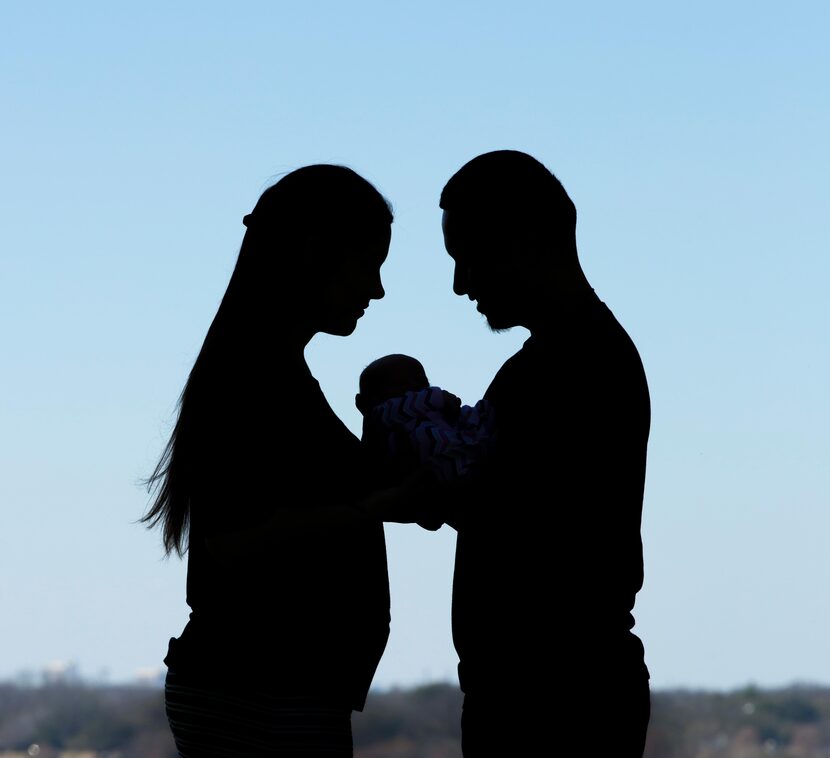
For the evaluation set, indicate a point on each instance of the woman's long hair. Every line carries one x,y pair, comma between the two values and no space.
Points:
332,201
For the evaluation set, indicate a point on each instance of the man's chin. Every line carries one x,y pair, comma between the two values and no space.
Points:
498,325
498,322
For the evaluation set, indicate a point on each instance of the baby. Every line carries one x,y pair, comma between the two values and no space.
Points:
409,423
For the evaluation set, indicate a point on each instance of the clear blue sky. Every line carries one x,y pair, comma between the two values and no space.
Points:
693,139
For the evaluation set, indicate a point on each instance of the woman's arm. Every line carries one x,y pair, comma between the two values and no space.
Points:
421,499
283,525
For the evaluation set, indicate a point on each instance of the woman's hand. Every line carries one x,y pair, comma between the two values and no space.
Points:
414,501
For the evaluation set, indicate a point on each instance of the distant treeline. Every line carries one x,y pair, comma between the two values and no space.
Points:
129,722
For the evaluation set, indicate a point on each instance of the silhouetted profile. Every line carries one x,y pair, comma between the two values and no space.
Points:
261,484
549,555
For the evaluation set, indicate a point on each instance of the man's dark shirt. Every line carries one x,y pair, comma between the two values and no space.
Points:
549,555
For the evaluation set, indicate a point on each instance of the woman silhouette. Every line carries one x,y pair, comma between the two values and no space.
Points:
261,484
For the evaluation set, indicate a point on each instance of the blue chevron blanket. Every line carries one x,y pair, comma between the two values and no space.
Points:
443,434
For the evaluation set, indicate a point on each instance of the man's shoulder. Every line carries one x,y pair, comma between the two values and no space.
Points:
620,347
574,357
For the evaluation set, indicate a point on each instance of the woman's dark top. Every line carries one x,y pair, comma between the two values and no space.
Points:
310,614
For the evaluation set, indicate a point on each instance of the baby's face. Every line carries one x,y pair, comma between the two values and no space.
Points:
399,380
402,382
388,377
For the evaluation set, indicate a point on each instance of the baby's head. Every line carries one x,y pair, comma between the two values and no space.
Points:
389,376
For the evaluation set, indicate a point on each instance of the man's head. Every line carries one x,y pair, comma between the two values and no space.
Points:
510,227
387,377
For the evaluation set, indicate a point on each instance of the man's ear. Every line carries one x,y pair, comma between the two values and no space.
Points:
360,403
529,253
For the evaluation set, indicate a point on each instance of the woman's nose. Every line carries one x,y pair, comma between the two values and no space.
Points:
376,291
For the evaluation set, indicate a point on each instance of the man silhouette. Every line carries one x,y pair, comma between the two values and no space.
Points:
549,555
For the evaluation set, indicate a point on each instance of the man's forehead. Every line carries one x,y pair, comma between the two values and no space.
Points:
460,225
450,221
474,228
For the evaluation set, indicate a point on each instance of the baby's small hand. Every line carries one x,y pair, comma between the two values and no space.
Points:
452,405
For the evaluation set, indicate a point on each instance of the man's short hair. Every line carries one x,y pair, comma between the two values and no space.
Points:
512,184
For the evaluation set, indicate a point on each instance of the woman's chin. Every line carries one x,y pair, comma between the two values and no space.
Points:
342,329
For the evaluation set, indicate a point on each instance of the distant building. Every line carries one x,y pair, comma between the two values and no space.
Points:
60,672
